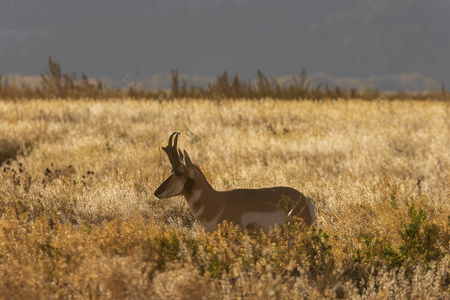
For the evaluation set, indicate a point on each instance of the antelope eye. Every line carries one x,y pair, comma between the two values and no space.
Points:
178,173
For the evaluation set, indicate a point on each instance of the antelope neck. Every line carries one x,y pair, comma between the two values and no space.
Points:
203,200
199,188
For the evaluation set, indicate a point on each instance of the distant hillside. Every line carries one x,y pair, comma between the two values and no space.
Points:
372,41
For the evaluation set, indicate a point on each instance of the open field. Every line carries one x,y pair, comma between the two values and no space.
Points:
79,219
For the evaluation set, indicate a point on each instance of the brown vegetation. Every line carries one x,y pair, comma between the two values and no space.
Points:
55,84
78,218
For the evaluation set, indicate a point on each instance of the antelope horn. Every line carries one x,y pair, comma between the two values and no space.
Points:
172,151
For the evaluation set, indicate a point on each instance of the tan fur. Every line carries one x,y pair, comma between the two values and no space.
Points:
235,204
248,208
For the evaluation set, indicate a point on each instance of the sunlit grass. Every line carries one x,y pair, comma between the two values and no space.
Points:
79,218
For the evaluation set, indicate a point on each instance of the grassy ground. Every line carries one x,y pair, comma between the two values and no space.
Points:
79,219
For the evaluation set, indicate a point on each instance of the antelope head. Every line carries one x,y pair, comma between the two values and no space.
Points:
181,177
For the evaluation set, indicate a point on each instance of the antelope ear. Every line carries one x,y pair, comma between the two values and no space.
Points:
180,154
187,160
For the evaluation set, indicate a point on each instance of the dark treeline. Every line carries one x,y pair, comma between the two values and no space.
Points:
55,84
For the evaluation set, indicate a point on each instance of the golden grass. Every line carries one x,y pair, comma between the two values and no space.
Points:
79,219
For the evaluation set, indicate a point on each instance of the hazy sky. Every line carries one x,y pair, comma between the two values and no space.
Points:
139,39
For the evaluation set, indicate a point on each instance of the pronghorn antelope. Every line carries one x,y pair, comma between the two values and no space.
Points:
249,208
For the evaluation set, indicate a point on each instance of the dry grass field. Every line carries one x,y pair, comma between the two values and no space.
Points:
78,218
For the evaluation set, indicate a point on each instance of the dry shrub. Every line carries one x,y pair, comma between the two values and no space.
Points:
183,284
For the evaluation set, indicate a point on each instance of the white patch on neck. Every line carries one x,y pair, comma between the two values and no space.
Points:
212,225
199,212
194,197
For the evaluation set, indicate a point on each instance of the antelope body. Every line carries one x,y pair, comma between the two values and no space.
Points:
250,208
